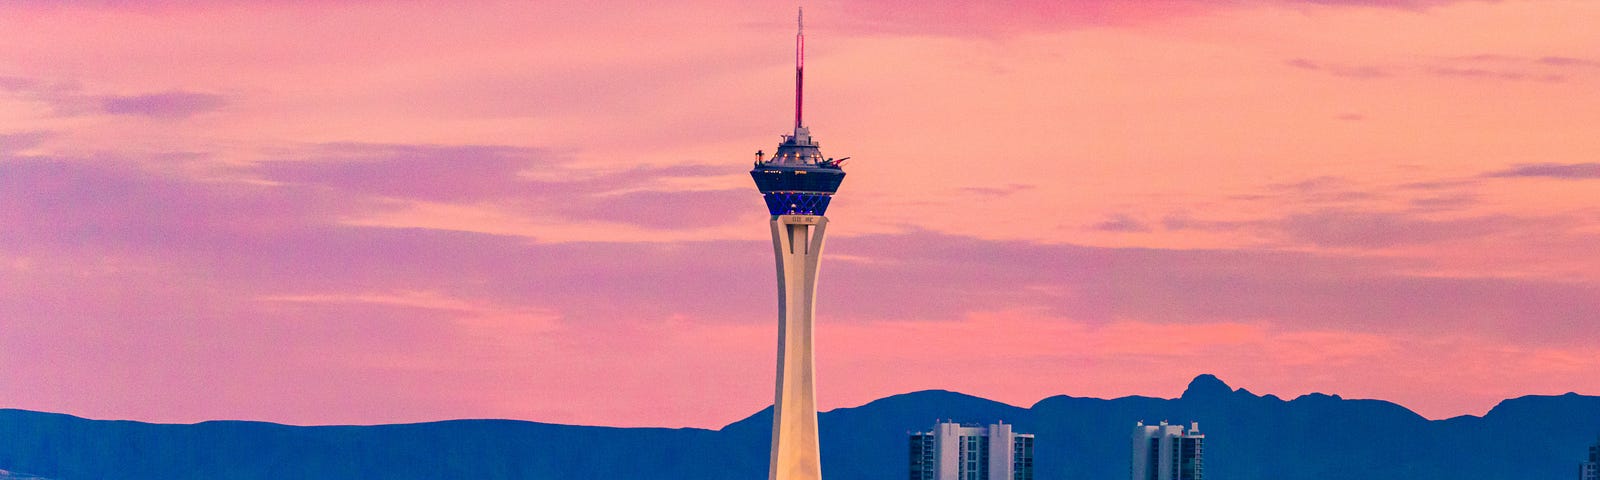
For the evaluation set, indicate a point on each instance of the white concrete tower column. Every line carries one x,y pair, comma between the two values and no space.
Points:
797,245
1001,463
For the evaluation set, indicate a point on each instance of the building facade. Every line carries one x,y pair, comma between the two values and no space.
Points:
1167,452
1590,470
952,451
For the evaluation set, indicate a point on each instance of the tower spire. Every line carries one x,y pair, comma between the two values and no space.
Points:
799,64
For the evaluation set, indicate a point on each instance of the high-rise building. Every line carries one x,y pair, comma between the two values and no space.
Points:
952,451
797,183
1590,470
1167,452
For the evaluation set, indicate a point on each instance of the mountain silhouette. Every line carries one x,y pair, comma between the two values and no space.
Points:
1248,437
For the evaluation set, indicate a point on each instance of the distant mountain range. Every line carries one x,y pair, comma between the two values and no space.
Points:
1248,437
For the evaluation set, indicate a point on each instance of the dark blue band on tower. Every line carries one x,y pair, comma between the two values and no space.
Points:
797,203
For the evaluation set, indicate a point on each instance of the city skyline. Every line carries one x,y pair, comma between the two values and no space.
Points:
371,213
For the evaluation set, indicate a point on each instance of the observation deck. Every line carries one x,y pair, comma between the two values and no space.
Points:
797,179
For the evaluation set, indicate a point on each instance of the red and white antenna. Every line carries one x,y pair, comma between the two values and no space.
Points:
799,63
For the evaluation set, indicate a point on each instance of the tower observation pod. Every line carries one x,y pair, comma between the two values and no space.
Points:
797,183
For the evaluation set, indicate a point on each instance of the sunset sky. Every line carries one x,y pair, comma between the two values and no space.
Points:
318,212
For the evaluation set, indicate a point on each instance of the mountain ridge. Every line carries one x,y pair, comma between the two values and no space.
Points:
1249,437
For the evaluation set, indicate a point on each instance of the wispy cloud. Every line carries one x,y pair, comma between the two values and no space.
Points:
946,17
14,142
1121,223
70,99
1468,67
1485,73
1490,66
1339,70
526,179
1185,221
1566,171
1447,202
162,105
1521,60
446,173
999,191
1345,228
1569,62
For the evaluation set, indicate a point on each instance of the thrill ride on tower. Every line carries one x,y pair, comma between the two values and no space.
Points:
797,182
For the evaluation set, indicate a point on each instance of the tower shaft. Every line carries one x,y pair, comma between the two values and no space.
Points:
797,183
797,246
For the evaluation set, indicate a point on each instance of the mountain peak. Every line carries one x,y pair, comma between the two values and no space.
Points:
1206,385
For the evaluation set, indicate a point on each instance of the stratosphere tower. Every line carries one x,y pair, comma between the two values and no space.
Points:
797,183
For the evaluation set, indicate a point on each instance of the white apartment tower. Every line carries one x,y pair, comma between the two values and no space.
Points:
953,451
1167,452
1590,470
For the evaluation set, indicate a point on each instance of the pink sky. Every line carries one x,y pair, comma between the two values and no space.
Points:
369,212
